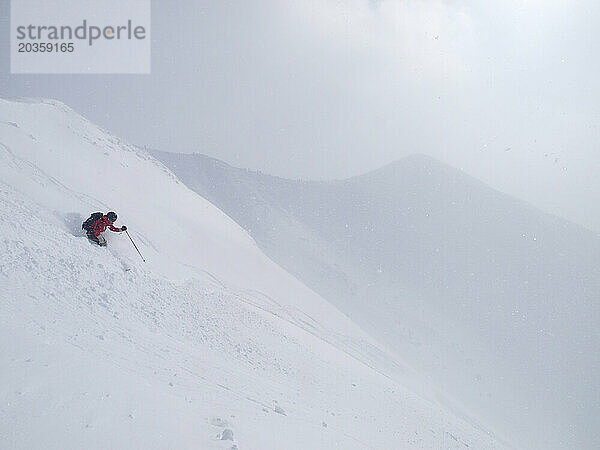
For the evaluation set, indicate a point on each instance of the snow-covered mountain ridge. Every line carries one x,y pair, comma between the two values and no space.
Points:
207,345
494,299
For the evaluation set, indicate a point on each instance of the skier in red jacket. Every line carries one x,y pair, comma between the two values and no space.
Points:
97,224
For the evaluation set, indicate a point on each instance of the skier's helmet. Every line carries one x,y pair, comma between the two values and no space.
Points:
111,216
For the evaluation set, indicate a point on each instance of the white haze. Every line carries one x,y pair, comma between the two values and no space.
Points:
506,90
491,298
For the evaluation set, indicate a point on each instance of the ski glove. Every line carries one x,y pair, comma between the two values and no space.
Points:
123,228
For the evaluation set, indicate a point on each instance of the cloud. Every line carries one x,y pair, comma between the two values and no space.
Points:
326,89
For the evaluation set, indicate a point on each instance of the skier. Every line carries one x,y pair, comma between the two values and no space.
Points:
97,223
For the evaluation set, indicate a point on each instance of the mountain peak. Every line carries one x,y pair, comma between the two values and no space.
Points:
415,165
421,161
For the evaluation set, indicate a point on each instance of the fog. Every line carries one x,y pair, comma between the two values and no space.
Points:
466,276
493,300
506,91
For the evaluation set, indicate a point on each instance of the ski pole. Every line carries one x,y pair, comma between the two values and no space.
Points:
135,246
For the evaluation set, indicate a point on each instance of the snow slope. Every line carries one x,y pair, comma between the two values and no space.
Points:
495,300
207,345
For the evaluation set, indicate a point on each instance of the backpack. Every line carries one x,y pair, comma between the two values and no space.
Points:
90,220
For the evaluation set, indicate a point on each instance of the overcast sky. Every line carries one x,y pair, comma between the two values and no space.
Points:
506,90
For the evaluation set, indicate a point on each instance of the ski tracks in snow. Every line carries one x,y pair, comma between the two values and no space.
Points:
94,344
198,341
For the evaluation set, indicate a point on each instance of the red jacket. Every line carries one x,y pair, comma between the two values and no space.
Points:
101,224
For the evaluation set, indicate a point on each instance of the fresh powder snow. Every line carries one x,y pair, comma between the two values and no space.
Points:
493,299
209,344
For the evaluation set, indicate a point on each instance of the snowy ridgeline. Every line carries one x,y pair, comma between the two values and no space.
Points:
208,345
494,300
